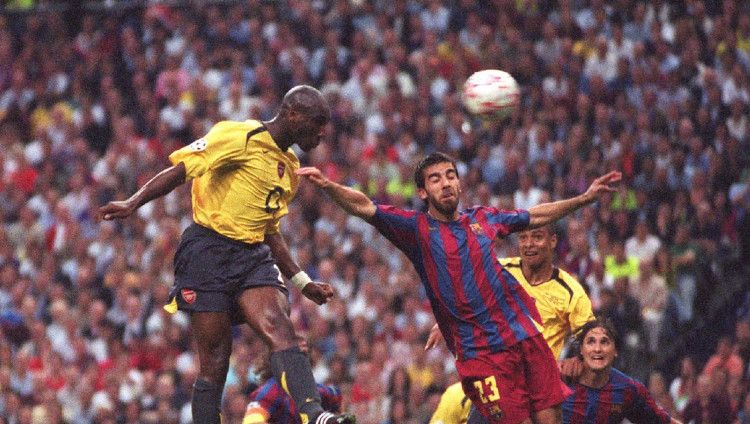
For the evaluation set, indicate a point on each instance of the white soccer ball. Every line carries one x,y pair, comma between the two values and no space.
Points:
490,94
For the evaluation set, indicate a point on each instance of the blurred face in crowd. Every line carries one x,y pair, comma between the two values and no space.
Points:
536,246
441,187
598,350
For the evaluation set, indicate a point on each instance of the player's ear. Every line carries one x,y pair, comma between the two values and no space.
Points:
422,193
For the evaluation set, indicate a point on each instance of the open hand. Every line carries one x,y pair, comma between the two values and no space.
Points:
603,184
116,210
434,338
571,367
319,293
314,175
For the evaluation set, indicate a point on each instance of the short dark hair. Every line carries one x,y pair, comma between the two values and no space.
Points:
600,322
551,229
431,159
309,102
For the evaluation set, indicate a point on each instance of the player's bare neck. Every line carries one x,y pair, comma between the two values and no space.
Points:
278,134
536,275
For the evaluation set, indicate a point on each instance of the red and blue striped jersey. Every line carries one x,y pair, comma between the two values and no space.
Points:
270,403
622,397
478,305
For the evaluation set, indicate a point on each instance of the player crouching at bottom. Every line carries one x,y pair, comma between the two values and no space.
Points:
270,402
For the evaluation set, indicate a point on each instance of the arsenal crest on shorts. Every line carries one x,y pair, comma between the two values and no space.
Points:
280,169
188,295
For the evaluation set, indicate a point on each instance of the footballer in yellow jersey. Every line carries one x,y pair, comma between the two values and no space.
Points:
229,262
560,299
242,181
453,408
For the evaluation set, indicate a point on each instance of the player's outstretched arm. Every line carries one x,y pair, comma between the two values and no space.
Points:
319,293
546,213
161,184
352,201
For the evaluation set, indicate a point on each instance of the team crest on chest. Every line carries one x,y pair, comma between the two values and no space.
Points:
476,228
280,168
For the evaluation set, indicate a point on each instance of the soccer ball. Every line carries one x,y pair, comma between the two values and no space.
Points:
490,94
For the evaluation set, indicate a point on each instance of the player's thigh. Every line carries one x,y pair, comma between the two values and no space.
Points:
543,380
551,415
266,310
496,386
202,265
213,340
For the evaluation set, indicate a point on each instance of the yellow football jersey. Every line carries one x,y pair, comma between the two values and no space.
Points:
242,181
453,408
561,301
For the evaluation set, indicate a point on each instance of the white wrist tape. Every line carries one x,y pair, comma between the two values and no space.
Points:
300,280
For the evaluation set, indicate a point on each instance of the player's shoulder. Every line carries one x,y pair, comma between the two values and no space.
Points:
619,378
511,262
244,126
565,277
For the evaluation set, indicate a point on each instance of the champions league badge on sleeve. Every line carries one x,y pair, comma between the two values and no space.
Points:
198,145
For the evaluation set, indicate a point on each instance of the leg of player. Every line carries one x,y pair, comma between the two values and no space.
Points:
213,338
548,416
265,309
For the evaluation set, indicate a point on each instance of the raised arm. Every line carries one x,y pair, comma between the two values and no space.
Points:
352,201
546,213
161,184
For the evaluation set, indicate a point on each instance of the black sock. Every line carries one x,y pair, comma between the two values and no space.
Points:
206,402
292,369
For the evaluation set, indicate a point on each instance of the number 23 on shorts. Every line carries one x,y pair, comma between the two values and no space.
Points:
487,389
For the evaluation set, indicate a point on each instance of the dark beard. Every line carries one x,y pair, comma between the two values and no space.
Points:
447,210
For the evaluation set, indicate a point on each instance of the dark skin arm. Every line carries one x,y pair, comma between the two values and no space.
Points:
319,293
161,184
173,177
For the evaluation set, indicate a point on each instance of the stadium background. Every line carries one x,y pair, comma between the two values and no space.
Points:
94,95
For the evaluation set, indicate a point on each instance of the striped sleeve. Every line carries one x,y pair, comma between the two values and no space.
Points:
643,408
506,222
399,226
330,398
261,402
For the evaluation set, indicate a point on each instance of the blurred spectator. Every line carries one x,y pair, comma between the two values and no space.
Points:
642,245
650,290
658,388
726,359
685,257
93,100
619,264
707,406
682,388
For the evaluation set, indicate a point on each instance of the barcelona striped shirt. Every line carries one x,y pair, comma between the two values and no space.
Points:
270,403
478,305
622,397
